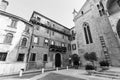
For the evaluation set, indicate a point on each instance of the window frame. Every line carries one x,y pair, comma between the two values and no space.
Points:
118,2
3,56
53,33
73,46
69,47
19,59
27,29
53,42
62,44
25,43
45,58
13,23
8,38
36,38
87,33
32,58
46,43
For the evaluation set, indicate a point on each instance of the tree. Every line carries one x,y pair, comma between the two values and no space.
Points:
91,57
87,57
75,59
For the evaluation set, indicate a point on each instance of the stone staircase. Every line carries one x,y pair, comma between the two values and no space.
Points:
107,74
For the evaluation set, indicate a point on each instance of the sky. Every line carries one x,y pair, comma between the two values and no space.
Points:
57,10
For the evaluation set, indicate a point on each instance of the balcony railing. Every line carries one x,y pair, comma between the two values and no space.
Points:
54,48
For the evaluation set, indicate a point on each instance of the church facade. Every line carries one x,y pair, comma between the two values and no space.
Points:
95,32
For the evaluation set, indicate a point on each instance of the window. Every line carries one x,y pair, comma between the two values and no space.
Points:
3,56
101,9
13,23
52,42
36,40
118,2
45,57
98,6
74,46
100,12
32,57
38,19
72,32
27,29
86,37
52,32
46,42
24,41
37,27
47,31
82,12
48,23
73,37
69,46
8,38
87,32
63,44
20,57
53,25
70,38
63,36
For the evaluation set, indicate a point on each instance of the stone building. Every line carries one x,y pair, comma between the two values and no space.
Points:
15,37
39,43
94,31
113,8
50,44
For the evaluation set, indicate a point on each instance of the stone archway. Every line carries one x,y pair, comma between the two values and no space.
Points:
58,60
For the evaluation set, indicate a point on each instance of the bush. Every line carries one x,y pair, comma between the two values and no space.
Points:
104,63
91,56
89,67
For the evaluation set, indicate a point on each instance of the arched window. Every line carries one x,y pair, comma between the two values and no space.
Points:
24,41
87,32
8,38
118,28
45,57
101,9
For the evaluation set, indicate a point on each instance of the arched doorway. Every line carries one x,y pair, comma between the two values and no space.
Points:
118,28
57,60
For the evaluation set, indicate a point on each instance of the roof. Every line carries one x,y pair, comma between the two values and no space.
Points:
14,16
72,28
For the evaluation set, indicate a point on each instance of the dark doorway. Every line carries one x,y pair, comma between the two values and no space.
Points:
57,60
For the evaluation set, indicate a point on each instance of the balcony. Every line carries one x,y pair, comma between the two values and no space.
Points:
54,48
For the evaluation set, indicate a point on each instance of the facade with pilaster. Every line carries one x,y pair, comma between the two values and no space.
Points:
15,37
50,45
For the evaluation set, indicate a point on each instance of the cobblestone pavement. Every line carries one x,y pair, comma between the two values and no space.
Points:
70,74
55,76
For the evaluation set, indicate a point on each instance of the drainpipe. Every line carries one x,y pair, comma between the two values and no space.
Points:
29,49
